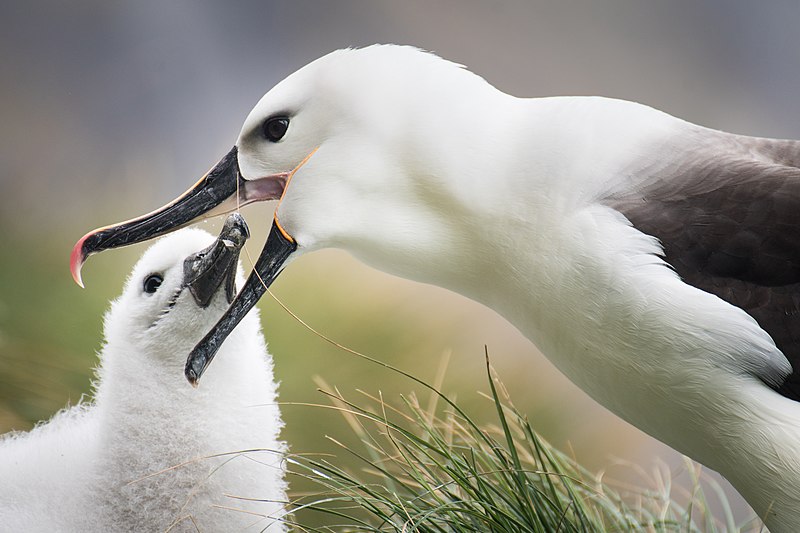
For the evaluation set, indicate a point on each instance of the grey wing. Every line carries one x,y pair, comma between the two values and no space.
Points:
728,218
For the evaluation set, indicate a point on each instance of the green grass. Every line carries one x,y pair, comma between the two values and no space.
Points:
432,468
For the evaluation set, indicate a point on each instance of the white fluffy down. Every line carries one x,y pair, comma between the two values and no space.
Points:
150,453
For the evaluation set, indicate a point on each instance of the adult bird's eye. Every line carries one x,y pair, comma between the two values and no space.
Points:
275,128
152,283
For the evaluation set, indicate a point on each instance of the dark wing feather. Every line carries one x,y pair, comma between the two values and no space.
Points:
729,221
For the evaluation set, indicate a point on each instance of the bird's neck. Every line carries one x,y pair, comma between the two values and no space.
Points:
167,451
152,412
499,184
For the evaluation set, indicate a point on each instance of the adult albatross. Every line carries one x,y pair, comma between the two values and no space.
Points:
655,262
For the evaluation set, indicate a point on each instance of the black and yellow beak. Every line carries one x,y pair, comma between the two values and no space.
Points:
214,194
221,190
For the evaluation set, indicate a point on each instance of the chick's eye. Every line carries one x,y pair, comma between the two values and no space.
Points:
152,283
275,128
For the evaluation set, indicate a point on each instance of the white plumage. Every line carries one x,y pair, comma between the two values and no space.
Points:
550,211
655,262
140,456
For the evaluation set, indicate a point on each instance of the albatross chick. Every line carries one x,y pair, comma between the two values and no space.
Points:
151,453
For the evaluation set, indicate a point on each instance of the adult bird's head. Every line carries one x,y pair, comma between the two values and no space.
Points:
355,147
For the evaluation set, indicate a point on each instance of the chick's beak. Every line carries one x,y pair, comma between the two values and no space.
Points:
205,272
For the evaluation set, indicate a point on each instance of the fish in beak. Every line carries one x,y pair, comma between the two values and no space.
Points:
221,190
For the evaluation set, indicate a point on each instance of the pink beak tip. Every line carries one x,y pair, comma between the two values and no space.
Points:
77,259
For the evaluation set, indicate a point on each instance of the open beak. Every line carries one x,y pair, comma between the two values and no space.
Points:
220,191
207,270
278,248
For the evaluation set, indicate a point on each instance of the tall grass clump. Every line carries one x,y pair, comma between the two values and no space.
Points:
432,468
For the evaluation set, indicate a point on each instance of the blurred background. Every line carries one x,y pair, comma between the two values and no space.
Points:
111,109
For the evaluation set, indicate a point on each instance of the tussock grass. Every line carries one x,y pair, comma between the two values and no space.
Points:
432,468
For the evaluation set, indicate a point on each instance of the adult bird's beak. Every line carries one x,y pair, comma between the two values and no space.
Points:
278,248
207,270
220,191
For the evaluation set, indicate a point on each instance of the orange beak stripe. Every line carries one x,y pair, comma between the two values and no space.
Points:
288,180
